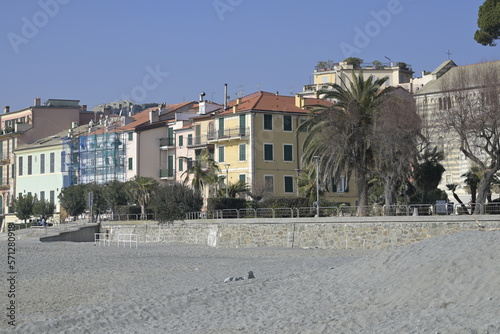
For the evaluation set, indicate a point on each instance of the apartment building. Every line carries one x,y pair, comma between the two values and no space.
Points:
398,74
25,126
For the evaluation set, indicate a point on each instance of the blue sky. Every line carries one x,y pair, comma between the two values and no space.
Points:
98,51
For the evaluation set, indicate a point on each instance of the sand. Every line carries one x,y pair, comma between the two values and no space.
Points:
448,284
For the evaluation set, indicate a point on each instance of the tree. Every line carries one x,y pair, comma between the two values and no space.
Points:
354,61
139,190
115,194
398,128
307,184
74,199
428,172
172,201
99,203
341,134
203,172
488,22
234,189
472,114
43,208
23,206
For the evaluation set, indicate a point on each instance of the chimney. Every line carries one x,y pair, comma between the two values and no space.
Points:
153,116
235,108
6,109
299,101
238,100
38,102
83,107
74,125
225,96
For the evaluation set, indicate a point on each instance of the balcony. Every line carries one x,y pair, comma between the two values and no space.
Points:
229,134
167,142
168,173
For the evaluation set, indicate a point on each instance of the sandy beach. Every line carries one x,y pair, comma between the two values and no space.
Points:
448,284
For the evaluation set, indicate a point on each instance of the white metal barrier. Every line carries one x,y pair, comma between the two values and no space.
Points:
127,238
102,238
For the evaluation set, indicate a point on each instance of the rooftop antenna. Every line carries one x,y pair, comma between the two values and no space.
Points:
291,90
225,96
259,86
449,54
389,59
240,91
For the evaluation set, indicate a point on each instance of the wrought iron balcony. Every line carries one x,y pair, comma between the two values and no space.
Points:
168,173
229,134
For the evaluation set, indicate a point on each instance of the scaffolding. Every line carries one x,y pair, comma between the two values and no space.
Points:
97,158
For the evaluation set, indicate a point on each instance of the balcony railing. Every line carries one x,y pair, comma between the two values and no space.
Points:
167,173
228,134
167,142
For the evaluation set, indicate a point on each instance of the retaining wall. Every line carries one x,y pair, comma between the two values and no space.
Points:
327,232
81,234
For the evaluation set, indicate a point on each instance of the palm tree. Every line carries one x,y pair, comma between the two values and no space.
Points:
472,178
340,134
140,189
203,172
428,173
233,189
307,184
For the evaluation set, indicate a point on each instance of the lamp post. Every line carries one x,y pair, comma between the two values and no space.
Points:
317,158
227,178
298,172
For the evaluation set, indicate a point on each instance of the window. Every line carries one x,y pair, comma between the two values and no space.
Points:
42,196
221,127
242,125
268,152
339,186
52,196
1,174
63,161
181,141
181,165
287,152
288,180
190,139
221,153
130,164
243,178
269,183
30,164
20,164
197,137
243,152
287,123
130,136
52,162
268,122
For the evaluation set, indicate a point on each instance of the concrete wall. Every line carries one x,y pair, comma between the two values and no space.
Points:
328,232
82,234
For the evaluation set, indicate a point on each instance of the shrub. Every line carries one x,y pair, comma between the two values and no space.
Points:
172,201
285,202
220,203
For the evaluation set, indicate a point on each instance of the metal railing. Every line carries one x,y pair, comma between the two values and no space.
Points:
348,211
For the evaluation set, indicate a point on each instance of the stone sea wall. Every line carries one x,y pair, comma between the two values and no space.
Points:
328,232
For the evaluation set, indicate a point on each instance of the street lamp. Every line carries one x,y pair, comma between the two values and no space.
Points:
298,172
317,158
227,178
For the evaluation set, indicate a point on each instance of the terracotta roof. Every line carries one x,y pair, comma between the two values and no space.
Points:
265,101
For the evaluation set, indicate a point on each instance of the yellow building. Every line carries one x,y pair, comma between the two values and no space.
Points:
398,74
255,140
